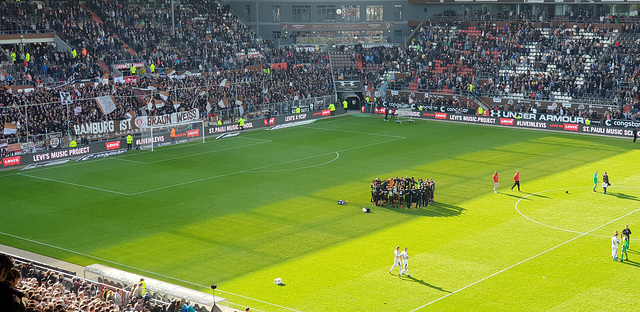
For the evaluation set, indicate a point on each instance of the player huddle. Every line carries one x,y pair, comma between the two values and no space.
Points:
402,192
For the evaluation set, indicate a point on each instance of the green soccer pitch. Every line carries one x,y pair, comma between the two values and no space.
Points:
242,211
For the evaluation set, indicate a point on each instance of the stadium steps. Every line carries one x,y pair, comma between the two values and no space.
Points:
340,60
93,15
104,67
414,87
3,72
98,20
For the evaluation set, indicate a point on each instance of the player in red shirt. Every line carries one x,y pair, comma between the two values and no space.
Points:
516,180
495,182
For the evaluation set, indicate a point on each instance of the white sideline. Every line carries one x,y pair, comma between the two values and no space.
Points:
523,261
138,269
257,169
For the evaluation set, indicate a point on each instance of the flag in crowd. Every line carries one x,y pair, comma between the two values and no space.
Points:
10,128
65,98
107,104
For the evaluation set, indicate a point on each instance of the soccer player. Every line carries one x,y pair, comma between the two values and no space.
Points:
374,185
625,246
407,196
614,247
396,259
605,182
433,191
405,262
595,180
516,180
627,232
495,182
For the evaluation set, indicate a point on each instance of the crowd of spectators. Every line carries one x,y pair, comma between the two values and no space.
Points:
209,39
519,59
43,62
28,288
592,63
39,111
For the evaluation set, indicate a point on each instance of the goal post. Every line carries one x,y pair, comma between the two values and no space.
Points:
152,137
404,114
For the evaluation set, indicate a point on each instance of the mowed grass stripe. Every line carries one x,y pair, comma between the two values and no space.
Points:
516,234
305,238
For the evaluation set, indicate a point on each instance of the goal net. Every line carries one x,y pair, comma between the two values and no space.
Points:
404,114
156,136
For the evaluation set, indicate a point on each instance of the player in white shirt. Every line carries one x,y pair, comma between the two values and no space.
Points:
614,246
396,260
405,262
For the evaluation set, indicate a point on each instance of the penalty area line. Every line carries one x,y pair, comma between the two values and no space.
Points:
525,260
74,184
138,269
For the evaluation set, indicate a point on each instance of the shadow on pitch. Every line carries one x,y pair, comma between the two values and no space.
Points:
633,263
422,282
624,196
537,195
515,196
434,210
522,194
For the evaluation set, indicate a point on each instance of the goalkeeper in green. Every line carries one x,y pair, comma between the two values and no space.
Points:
625,247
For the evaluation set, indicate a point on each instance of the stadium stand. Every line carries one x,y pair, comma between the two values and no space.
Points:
48,288
216,63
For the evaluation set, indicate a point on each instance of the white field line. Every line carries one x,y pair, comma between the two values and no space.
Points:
354,132
203,153
557,228
129,160
299,168
228,174
137,269
396,138
122,157
262,167
194,143
74,184
523,261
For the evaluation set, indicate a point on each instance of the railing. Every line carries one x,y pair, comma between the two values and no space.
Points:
342,40
274,109
98,287
26,31
518,17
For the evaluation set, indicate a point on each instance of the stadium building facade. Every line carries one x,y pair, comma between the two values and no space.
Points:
309,22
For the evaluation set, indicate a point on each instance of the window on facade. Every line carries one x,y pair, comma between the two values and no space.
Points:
247,10
326,13
350,13
397,12
275,13
374,13
301,13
